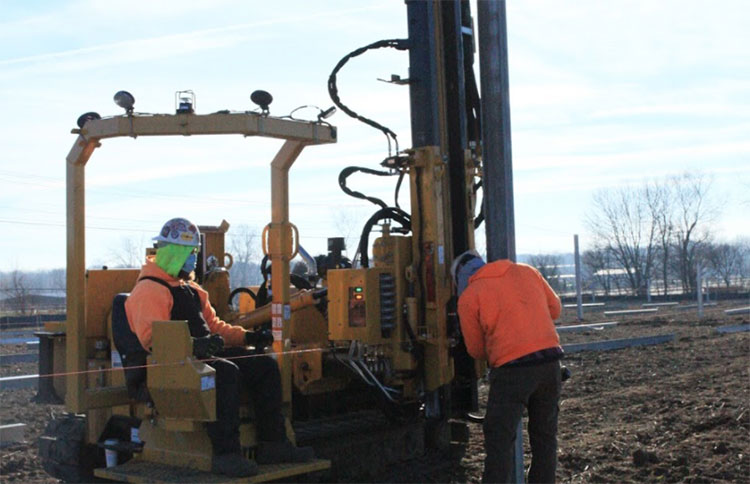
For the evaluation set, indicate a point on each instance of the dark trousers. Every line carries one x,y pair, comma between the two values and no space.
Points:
511,389
261,377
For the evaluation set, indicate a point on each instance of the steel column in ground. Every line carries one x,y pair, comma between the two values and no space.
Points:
496,142
699,288
579,298
496,150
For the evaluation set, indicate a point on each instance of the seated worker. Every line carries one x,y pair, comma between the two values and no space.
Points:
166,291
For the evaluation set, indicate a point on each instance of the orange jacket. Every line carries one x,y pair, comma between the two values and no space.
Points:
507,312
150,301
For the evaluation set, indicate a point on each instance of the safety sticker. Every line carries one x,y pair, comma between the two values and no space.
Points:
116,360
441,254
276,334
287,312
208,382
276,309
276,322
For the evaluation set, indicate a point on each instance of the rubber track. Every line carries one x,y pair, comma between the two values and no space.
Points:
366,447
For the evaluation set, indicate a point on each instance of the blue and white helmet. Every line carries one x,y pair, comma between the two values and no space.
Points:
464,266
180,231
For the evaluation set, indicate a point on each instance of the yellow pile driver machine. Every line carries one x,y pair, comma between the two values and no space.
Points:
374,370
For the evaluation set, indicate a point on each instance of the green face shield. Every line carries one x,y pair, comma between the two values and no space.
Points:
172,257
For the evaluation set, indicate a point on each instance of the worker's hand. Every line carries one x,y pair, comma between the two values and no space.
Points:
207,346
259,339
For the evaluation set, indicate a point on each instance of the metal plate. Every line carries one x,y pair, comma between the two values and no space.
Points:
142,471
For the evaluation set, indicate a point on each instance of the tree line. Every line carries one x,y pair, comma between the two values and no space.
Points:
20,291
658,235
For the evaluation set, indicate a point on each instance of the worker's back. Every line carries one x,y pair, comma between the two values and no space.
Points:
515,310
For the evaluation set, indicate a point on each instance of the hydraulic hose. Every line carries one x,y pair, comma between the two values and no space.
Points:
346,172
399,44
384,213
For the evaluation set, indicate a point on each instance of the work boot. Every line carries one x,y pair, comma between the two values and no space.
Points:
233,465
282,452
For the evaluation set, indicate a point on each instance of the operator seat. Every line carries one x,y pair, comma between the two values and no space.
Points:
132,354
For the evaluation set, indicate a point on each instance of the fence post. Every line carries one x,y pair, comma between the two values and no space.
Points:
648,289
579,297
699,288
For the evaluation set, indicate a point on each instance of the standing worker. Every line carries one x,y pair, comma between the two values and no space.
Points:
166,291
507,312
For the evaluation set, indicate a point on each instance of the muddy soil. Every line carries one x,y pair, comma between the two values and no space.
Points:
674,412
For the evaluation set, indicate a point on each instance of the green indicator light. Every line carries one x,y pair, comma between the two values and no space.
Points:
357,289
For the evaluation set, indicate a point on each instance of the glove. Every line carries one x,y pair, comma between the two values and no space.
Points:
207,346
259,339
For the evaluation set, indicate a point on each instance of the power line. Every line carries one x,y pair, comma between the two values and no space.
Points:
547,229
156,195
117,229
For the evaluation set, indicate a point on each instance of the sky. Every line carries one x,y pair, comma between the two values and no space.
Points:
602,94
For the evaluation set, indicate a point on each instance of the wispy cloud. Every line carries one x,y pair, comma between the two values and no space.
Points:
134,50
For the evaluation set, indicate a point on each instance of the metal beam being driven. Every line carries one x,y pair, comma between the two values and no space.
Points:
496,145
497,163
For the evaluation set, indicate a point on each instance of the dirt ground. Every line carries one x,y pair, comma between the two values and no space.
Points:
674,412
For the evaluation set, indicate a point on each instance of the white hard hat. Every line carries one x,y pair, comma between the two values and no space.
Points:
462,259
180,231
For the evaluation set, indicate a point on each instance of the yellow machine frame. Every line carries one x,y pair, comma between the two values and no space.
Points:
88,304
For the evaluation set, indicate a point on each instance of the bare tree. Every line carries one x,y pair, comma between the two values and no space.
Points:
243,245
727,260
57,280
620,222
349,223
694,211
131,253
597,264
14,286
548,266
659,200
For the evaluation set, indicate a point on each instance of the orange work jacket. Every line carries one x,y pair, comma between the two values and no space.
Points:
507,311
150,301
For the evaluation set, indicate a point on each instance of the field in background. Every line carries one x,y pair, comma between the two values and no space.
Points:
674,412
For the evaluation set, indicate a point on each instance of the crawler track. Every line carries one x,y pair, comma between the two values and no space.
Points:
366,447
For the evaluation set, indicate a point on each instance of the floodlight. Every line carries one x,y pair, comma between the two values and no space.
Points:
327,113
125,100
262,99
86,117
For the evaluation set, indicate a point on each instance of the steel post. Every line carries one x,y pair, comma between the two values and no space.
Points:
496,150
579,297
699,288
496,141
